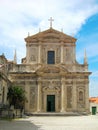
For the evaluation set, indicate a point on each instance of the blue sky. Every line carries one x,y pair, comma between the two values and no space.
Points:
88,39
78,18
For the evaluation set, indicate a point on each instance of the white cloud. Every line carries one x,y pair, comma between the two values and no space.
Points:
95,74
68,14
17,18
91,50
93,87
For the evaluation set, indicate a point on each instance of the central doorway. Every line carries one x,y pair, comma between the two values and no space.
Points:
50,103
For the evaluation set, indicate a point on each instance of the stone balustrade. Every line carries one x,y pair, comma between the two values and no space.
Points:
34,67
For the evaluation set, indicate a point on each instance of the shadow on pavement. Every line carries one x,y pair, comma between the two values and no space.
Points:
18,125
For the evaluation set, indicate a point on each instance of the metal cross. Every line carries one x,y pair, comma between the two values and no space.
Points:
51,20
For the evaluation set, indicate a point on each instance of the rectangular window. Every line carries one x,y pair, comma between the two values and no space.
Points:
51,57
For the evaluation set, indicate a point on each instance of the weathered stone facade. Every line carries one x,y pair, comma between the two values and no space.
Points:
52,78
4,81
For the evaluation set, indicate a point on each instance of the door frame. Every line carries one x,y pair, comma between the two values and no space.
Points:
51,96
56,93
94,110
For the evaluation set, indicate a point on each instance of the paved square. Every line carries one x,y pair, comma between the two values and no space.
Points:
52,123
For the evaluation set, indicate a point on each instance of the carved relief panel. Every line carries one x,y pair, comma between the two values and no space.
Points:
51,88
33,54
81,96
68,54
58,55
69,96
33,98
44,58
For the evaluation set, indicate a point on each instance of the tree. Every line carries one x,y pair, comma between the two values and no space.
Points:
16,97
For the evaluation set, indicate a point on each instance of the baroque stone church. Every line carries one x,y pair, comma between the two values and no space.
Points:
52,78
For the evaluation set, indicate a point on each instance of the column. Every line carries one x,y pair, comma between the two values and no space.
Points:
39,97
63,95
62,54
87,106
39,54
74,96
27,90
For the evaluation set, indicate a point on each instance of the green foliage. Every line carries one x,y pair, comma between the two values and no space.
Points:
16,96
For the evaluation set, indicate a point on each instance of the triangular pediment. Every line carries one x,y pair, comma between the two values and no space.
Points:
50,35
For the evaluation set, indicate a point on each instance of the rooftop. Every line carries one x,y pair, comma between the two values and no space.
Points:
93,99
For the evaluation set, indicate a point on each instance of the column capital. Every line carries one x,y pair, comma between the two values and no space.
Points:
39,81
62,43
63,79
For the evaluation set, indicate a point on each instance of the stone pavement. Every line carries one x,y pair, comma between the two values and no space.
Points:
52,123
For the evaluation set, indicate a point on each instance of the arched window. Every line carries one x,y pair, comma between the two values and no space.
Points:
80,96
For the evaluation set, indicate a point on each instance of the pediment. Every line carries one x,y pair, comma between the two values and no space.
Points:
50,35
51,69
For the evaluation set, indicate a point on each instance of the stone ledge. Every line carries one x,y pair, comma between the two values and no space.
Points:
55,114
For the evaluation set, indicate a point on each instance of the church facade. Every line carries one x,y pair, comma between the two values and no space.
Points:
52,78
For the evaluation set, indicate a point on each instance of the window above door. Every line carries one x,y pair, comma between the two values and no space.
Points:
51,57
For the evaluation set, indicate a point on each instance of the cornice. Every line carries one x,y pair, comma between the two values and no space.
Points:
50,35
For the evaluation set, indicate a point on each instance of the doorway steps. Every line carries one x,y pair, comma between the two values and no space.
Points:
56,114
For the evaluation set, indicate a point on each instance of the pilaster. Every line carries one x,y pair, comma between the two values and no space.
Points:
74,96
62,54
63,94
27,90
39,96
87,97
27,53
39,54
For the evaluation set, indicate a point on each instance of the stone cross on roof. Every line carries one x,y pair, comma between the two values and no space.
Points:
51,20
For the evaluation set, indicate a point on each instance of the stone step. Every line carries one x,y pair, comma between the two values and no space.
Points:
55,114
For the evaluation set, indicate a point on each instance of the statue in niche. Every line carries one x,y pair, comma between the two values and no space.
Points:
80,96
33,58
33,54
